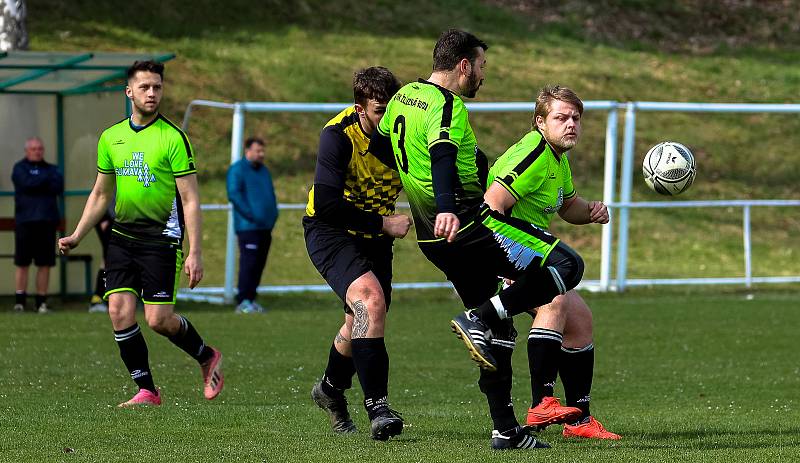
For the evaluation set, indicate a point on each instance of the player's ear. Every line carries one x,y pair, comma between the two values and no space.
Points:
360,109
128,91
539,121
465,67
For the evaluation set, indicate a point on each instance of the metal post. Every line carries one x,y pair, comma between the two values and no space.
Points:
608,197
626,185
748,268
237,139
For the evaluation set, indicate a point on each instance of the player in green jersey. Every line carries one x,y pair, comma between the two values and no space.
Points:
148,163
426,127
532,181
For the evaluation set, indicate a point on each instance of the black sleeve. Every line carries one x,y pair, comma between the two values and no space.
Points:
381,147
443,173
335,150
483,167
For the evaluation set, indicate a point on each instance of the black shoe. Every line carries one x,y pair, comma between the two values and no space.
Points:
517,439
476,336
336,409
387,423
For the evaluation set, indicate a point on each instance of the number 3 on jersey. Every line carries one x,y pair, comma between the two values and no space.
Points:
400,130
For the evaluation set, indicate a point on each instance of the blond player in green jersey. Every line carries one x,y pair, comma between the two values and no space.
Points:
532,181
148,162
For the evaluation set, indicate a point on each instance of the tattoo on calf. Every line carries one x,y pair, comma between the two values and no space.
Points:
360,320
339,339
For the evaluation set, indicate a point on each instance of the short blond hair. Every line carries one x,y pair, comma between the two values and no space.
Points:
548,93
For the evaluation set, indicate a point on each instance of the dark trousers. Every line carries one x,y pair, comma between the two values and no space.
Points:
253,250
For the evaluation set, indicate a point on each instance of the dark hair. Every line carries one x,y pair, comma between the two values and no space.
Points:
453,46
374,83
548,93
148,66
252,140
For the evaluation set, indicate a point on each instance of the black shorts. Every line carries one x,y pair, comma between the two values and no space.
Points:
149,270
341,257
492,246
35,242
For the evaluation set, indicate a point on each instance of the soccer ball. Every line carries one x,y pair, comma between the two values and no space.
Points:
669,168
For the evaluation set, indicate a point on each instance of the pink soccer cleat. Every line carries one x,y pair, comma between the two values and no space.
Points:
143,397
212,375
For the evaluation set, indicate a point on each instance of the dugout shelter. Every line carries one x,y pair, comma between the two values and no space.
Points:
67,100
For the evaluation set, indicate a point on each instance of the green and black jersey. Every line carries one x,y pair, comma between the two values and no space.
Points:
420,116
146,160
536,177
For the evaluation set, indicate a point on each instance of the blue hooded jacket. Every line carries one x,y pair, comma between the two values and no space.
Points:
36,189
251,192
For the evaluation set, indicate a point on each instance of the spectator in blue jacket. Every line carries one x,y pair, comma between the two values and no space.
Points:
37,185
255,211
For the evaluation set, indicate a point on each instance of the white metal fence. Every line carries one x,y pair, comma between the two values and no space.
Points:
621,208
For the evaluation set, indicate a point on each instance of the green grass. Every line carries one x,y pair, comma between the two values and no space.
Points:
684,375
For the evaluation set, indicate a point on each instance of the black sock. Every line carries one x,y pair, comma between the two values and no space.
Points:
544,350
133,351
372,365
40,299
488,315
533,289
100,283
338,374
576,370
497,388
190,341
20,297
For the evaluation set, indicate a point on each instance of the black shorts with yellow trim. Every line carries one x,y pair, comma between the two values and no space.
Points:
342,257
148,269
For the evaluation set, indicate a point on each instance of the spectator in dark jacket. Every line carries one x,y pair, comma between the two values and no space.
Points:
37,185
255,211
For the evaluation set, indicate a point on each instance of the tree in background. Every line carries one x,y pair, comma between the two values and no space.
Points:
13,35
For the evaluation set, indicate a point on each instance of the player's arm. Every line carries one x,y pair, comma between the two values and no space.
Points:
579,211
498,198
380,146
190,200
96,206
335,150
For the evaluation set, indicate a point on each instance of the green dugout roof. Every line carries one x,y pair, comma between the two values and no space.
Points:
56,73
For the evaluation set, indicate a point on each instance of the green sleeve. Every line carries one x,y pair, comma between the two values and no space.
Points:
521,177
181,156
448,122
104,163
569,188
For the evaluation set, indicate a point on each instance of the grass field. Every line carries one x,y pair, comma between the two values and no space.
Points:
696,375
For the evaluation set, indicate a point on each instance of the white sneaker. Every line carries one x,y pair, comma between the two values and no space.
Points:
43,308
258,308
245,306
100,307
19,308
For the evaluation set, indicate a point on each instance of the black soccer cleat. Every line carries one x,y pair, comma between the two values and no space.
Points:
518,438
387,423
476,336
341,423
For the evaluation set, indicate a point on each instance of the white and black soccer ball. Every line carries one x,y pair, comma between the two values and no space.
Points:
669,168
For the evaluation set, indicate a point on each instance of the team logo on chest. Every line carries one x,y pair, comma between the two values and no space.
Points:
136,167
559,202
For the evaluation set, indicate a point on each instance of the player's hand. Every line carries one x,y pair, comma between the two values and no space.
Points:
598,212
396,225
446,226
193,267
66,243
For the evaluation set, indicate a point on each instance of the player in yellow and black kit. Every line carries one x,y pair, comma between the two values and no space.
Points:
350,227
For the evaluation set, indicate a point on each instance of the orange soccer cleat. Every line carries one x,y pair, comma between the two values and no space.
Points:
591,429
550,411
212,375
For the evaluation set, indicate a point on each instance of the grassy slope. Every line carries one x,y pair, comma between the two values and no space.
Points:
683,375
307,51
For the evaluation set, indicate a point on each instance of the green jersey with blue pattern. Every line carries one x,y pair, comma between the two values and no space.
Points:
536,177
420,116
145,161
